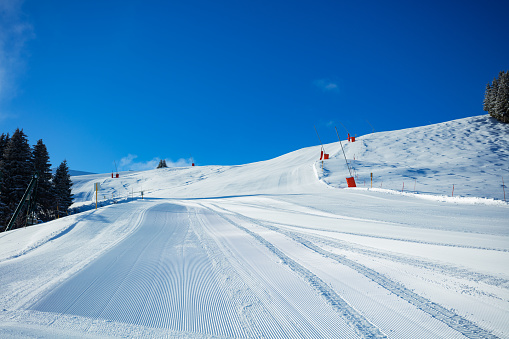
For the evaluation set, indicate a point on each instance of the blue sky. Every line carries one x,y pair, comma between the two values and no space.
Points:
232,82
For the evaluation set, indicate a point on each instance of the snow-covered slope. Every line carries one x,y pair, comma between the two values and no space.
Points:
472,154
278,249
290,173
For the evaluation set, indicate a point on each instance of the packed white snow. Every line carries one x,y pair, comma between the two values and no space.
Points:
279,248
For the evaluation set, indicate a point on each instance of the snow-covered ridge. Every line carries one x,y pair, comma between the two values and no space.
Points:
471,153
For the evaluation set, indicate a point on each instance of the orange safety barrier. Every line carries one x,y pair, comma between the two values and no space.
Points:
351,182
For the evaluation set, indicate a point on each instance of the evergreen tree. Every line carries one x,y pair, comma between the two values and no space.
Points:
488,98
3,212
496,97
17,170
162,164
45,201
63,188
4,140
501,106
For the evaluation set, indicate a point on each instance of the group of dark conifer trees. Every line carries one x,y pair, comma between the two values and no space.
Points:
162,164
496,97
18,163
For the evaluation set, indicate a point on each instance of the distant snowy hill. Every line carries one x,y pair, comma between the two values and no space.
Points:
471,153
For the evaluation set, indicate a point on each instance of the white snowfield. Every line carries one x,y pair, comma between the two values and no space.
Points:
279,248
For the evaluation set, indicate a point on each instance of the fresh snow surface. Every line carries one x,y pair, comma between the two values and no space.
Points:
279,248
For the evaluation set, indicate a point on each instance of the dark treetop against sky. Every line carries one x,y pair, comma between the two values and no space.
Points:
232,82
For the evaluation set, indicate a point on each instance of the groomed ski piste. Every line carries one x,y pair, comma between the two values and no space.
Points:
279,248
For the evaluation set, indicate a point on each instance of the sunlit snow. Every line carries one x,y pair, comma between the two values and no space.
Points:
279,248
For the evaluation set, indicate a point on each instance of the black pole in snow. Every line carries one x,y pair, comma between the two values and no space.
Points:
318,137
348,166
323,149
371,126
343,127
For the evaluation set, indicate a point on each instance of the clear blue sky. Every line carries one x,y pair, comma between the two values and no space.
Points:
232,82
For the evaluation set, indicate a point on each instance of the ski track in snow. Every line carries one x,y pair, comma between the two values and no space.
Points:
336,217
322,235
276,302
455,321
172,274
363,327
158,277
432,266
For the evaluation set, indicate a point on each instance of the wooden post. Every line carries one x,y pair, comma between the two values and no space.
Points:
96,188
452,194
403,187
371,179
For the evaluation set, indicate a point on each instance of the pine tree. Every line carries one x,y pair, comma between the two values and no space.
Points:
162,164
496,97
491,95
488,98
45,201
4,140
63,188
501,106
17,170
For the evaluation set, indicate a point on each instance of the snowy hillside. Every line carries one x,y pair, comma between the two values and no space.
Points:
472,154
278,248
